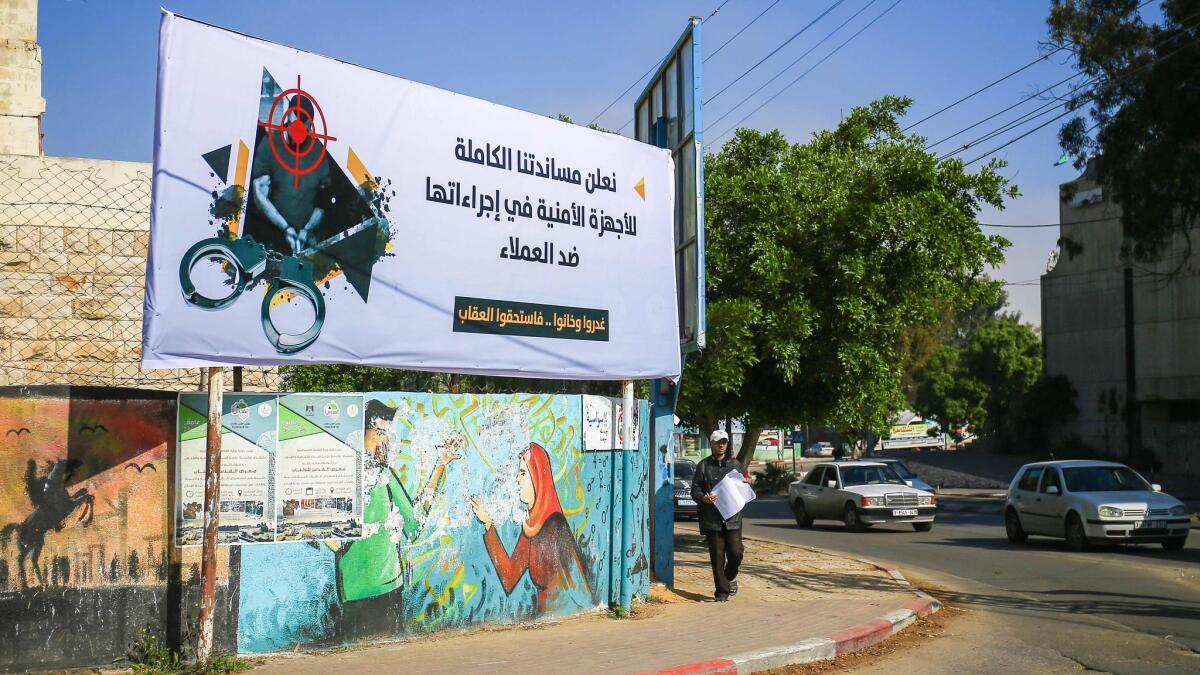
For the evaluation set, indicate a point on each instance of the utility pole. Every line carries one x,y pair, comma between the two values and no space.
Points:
627,444
212,493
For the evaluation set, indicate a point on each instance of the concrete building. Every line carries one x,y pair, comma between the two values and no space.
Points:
1123,332
73,241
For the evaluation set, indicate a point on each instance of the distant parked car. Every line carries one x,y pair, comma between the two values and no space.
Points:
821,449
906,473
1091,502
860,493
685,506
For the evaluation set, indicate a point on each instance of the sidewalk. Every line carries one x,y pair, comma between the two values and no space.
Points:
788,595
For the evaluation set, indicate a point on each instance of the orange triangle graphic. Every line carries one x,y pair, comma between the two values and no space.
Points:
641,187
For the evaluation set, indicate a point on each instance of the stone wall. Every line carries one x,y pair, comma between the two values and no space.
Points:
21,102
73,241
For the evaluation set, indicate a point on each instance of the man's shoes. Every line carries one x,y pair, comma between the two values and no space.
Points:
733,588
721,598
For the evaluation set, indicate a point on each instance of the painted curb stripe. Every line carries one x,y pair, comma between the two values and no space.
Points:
714,667
865,635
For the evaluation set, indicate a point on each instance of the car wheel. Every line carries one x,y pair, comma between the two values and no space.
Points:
1076,537
923,527
852,520
1175,545
1012,527
801,513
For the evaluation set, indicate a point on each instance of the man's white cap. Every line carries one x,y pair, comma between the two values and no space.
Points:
718,435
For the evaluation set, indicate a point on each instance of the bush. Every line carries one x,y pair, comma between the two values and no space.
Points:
774,479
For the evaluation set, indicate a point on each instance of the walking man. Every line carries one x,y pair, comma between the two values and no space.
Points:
724,535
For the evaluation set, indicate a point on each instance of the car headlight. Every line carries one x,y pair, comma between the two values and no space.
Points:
926,500
872,501
1178,510
1111,512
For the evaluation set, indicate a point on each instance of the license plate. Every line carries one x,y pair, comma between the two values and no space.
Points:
1149,524
904,512
686,502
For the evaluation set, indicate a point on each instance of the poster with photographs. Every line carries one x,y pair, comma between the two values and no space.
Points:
246,503
319,467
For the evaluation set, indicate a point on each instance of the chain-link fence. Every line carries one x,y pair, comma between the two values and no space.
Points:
73,241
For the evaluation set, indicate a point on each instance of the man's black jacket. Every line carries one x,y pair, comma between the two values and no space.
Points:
709,472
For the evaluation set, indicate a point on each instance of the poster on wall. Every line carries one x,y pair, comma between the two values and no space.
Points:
247,499
331,213
602,424
319,473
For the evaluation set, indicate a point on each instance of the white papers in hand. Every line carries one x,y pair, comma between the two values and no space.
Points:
732,494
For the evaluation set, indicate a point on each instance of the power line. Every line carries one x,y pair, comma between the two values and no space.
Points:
1068,112
743,28
994,83
995,115
1030,116
789,66
982,89
1075,222
776,50
643,75
814,67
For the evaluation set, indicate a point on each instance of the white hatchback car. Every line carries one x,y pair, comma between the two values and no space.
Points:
1091,502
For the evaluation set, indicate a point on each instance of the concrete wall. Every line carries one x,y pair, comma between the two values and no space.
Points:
86,568
84,562
1083,324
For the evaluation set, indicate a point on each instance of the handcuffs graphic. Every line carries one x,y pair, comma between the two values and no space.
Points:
250,261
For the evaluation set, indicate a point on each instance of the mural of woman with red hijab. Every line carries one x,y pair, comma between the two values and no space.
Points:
546,547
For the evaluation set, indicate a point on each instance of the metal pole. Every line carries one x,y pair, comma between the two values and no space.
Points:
212,490
626,497
793,456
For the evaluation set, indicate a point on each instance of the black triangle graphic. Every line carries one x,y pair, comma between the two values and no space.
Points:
218,160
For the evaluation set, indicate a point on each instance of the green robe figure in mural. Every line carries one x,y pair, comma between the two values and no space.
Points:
373,565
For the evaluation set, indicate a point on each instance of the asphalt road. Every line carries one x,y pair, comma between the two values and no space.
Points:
1036,607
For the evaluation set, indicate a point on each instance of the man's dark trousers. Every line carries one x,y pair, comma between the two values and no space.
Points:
725,556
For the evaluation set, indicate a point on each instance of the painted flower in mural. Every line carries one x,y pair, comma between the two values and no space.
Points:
546,548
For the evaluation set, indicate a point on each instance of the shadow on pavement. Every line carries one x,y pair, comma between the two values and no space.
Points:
1051,545
827,582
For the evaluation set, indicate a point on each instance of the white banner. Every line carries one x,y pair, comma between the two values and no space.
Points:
310,211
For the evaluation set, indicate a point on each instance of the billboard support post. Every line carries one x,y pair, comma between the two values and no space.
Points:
627,445
212,492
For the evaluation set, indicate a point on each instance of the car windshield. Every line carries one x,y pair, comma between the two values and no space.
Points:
1104,479
869,475
684,470
902,470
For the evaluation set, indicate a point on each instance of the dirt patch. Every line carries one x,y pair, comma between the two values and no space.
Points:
919,633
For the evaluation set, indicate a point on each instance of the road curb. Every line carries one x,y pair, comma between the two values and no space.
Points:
818,649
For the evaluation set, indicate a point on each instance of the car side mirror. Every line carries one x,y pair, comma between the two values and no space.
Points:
1052,490
1156,487
831,483
908,483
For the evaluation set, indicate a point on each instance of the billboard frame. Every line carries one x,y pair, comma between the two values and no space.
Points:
689,111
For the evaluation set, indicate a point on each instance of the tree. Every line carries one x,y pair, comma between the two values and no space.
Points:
1146,141
818,256
919,343
984,383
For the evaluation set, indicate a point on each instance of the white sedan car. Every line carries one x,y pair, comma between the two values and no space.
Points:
1090,502
859,493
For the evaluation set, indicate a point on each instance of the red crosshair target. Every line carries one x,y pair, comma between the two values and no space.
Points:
301,129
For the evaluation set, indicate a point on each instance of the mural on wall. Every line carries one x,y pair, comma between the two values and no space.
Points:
84,514
477,509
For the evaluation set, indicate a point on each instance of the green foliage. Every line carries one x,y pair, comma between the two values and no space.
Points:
149,655
773,479
1144,135
819,255
338,377
993,382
